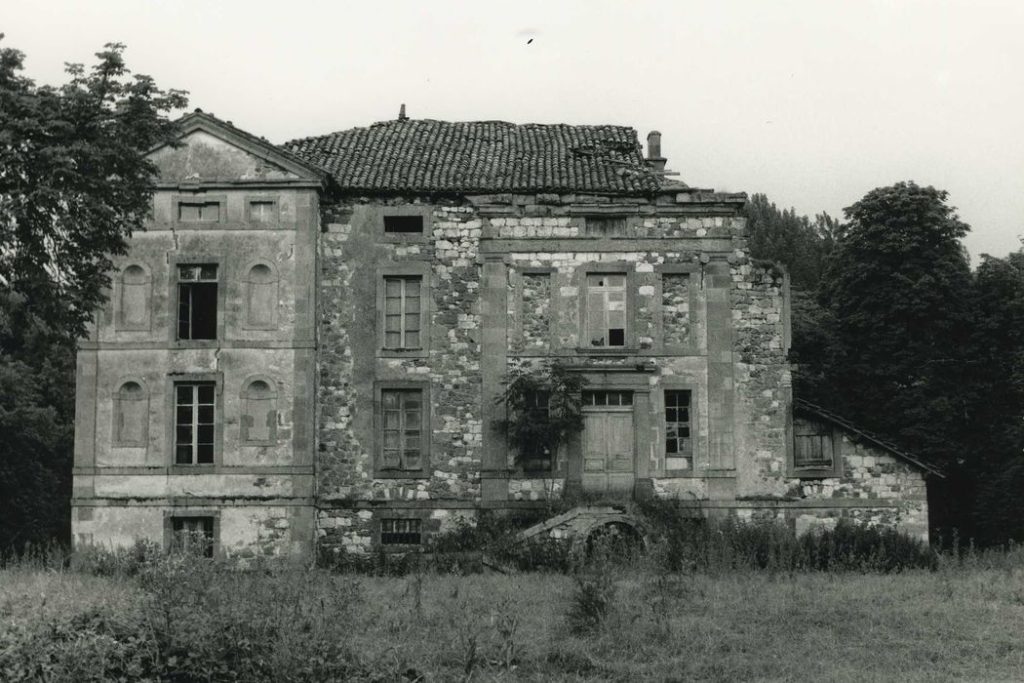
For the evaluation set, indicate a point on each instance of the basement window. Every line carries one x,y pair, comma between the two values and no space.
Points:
192,535
197,301
401,532
403,224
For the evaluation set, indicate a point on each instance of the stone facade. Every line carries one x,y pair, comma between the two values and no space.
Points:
396,316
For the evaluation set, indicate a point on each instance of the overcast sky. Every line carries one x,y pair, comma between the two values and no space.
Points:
812,102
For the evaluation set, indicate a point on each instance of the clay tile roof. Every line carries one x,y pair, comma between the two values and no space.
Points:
422,155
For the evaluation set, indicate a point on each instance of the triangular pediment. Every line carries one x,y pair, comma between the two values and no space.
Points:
211,150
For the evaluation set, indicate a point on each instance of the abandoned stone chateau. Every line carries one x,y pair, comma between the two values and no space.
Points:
305,347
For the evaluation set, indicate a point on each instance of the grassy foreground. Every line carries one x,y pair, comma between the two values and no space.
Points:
187,623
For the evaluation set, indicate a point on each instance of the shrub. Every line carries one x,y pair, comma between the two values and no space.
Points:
682,542
116,561
593,595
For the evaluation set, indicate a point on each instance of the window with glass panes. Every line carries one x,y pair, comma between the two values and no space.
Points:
192,535
194,423
197,301
606,309
402,301
607,398
402,429
678,443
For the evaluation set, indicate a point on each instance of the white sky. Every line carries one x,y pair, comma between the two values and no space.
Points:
813,102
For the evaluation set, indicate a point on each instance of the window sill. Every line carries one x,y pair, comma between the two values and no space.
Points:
823,472
196,343
401,474
205,468
402,353
607,350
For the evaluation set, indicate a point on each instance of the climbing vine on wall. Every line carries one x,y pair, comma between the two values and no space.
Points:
543,411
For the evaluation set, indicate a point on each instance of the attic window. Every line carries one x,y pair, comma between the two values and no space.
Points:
605,226
199,212
403,224
262,211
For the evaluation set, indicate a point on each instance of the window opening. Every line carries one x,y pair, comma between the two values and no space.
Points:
197,301
606,309
402,413
192,535
199,212
194,423
403,224
401,531
678,443
402,312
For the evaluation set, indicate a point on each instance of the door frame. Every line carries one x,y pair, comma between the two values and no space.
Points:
623,378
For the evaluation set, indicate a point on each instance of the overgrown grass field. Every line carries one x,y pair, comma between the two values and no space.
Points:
187,620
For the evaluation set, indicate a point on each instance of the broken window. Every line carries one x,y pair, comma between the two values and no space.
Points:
131,415
402,429
192,535
261,297
194,423
605,226
259,412
537,408
606,309
263,211
401,531
198,212
812,445
402,312
197,301
607,398
403,224
678,442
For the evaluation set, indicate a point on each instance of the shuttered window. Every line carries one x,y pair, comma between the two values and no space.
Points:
402,302
812,445
402,429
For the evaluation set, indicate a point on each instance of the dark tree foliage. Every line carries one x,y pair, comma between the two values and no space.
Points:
897,287
74,184
797,242
997,411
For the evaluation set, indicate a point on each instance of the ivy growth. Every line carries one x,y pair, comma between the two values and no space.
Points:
543,412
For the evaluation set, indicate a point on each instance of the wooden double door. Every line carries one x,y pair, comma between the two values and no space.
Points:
608,442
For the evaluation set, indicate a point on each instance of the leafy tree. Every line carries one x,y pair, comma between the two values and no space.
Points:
544,411
74,184
897,287
997,410
794,241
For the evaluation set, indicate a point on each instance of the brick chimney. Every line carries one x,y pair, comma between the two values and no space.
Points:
654,158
